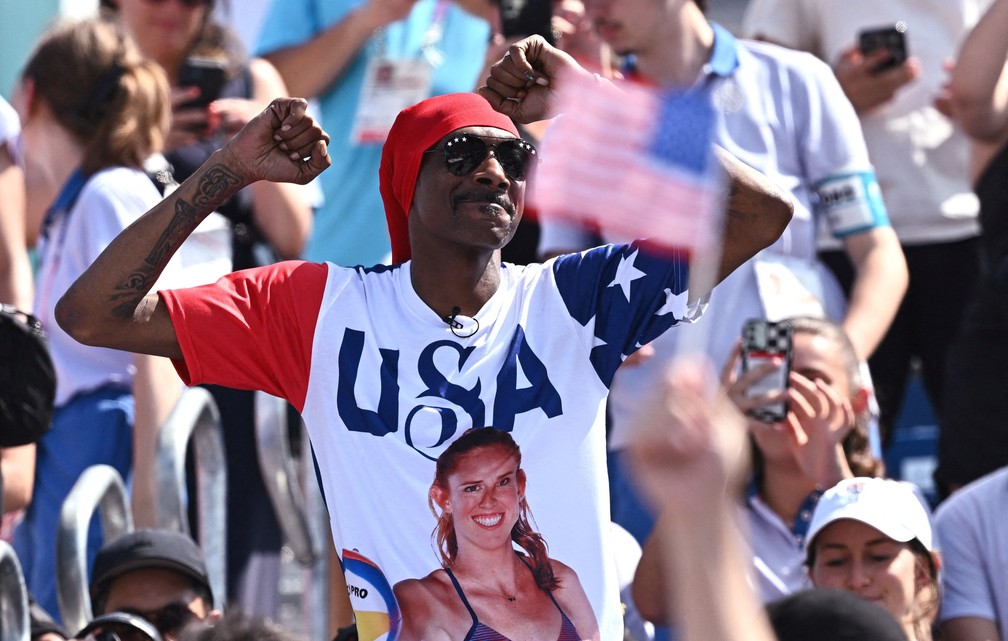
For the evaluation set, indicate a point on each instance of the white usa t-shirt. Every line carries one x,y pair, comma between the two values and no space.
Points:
384,386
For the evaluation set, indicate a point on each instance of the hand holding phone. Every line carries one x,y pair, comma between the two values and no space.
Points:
521,18
762,343
206,73
891,39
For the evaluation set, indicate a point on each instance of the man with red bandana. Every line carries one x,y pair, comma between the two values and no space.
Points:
389,364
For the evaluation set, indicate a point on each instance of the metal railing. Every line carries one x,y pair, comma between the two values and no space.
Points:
301,514
100,488
14,624
195,418
280,476
317,607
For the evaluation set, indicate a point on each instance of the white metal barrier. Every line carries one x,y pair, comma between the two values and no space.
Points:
14,625
301,514
280,476
195,419
100,488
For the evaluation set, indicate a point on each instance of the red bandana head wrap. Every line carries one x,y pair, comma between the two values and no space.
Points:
414,131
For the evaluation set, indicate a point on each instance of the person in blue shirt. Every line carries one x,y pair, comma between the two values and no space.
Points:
363,61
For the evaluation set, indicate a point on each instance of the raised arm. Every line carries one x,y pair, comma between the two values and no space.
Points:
757,212
281,210
690,458
110,305
980,78
523,84
313,66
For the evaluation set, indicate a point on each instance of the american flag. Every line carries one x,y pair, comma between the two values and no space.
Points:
631,162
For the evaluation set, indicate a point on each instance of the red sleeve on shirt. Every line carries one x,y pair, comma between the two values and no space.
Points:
252,329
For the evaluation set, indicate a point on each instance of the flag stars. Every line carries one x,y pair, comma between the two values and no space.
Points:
627,273
674,303
598,342
623,357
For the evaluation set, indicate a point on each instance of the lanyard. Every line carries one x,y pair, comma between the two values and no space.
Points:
432,37
53,247
804,517
65,201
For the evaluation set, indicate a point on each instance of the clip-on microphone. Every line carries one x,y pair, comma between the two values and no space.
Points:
461,326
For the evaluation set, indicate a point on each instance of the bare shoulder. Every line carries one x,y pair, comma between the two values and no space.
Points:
563,571
573,601
430,608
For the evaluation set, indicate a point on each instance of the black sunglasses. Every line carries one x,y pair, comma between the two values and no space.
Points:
169,619
463,154
118,633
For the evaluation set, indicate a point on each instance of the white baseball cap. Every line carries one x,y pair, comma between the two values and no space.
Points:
891,507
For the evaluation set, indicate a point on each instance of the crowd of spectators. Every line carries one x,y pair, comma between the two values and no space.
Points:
342,212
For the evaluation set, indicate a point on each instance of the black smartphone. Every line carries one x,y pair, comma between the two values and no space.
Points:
206,73
892,39
521,18
763,341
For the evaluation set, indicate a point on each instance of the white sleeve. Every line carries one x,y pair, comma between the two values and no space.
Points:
966,589
785,22
10,126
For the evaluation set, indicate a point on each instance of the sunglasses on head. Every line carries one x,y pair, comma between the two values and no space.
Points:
463,154
168,619
192,4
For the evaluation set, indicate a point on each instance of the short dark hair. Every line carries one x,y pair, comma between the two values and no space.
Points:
238,626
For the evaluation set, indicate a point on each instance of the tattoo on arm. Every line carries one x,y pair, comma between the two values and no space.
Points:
215,186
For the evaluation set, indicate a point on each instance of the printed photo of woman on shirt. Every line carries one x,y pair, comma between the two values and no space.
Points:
487,587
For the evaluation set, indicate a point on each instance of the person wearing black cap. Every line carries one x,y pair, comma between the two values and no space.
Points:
159,575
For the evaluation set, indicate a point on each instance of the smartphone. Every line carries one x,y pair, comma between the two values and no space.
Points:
892,39
206,73
521,18
762,341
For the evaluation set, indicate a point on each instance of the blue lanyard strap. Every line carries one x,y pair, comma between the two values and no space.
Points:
801,524
65,201
804,517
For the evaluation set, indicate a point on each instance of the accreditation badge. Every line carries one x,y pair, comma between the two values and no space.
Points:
390,85
788,287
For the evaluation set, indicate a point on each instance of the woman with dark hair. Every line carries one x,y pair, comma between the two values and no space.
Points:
486,586
822,440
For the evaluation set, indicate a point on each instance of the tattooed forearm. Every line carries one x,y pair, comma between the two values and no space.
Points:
215,186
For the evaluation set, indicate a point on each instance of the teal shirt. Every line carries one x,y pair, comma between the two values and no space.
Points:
349,227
